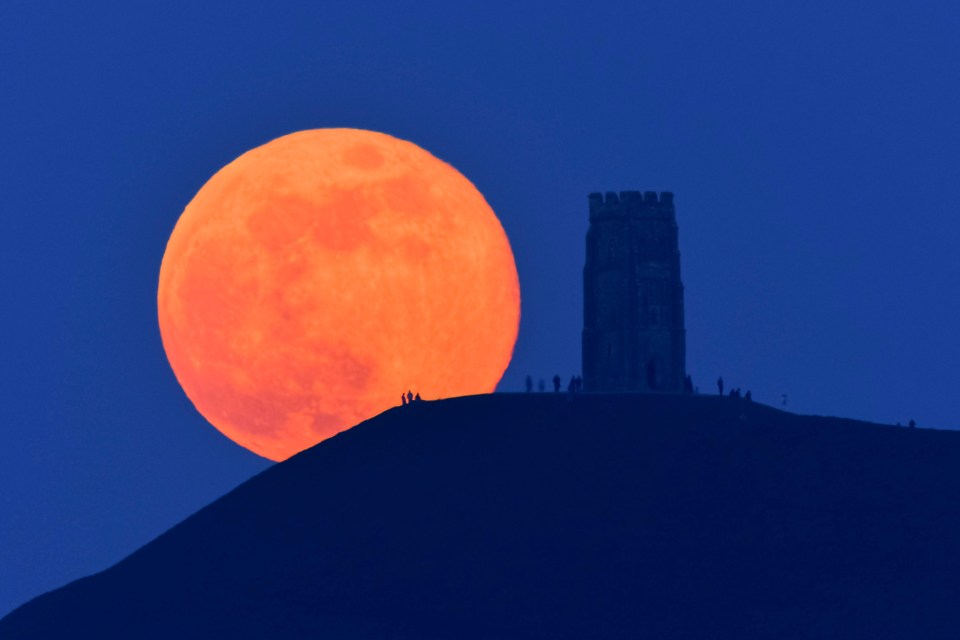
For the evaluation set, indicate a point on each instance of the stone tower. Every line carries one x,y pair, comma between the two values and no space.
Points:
633,335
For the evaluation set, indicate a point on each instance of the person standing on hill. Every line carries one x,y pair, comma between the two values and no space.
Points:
720,385
556,383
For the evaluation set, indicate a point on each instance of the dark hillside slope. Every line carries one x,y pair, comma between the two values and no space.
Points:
545,516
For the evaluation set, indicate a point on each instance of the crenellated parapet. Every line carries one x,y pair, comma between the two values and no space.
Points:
631,204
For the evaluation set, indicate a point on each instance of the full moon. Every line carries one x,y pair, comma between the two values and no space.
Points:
315,278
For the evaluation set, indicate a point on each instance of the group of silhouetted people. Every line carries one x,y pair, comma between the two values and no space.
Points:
576,384
733,393
409,398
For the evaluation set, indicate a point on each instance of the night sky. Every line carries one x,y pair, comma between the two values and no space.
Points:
814,150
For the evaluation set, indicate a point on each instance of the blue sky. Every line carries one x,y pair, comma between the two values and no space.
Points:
814,150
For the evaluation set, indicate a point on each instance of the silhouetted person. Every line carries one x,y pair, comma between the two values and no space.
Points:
541,385
417,397
556,383
403,399
912,424
578,383
720,385
572,386
409,396
748,396
529,384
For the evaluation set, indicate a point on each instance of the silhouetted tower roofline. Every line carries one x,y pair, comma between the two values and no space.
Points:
633,325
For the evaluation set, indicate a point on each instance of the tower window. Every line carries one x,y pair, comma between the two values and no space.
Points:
611,252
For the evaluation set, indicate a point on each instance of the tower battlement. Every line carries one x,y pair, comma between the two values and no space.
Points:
637,204
633,319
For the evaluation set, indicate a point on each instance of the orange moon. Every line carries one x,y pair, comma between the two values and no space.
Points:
315,278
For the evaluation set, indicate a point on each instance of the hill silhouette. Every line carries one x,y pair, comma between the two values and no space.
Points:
550,516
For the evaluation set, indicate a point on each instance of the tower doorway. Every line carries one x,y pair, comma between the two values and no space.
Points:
654,375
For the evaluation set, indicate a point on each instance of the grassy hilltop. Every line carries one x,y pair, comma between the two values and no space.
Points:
551,516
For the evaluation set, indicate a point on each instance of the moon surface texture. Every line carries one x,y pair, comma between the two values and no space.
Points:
314,279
